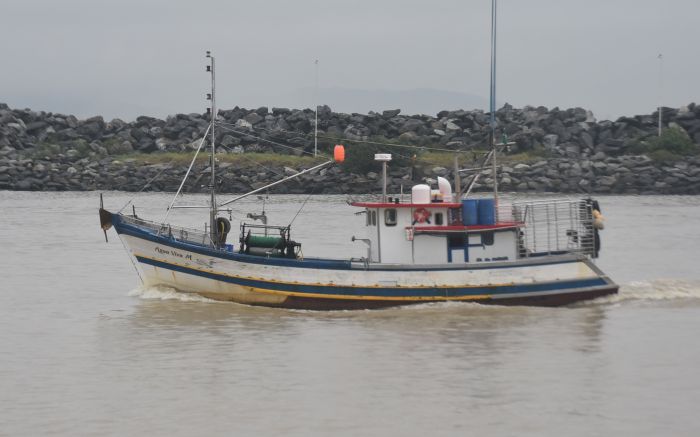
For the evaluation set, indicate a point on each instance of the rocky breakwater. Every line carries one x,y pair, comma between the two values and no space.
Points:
554,150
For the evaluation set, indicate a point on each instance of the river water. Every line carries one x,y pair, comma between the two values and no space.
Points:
85,351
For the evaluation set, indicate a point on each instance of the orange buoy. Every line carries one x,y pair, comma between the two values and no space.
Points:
339,153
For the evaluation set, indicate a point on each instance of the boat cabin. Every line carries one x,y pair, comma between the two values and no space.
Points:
432,229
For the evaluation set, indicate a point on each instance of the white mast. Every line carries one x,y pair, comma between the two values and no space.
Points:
316,112
212,186
493,101
661,83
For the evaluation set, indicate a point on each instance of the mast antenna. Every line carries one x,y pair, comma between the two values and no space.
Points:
211,69
661,85
316,112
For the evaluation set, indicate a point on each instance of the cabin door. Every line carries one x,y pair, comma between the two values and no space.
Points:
457,248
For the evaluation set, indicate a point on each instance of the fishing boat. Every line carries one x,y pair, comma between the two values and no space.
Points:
434,244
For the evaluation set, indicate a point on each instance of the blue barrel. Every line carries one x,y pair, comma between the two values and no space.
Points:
487,212
470,216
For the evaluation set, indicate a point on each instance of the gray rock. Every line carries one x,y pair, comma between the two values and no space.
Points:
229,140
451,126
24,185
586,140
550,141
607,181
356,132
280,111
391,113
439,171
411,125
35,126
572,150
155,131
253,118
408,137
162,144
241,123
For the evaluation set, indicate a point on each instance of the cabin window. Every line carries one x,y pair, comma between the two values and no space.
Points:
390,217
487,238
456,241
373,222
454,216
438,219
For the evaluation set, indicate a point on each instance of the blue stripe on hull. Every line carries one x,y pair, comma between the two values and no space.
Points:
380,291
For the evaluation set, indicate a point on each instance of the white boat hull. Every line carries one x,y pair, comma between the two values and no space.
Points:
324,284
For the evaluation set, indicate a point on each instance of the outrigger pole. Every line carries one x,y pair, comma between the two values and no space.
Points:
277,182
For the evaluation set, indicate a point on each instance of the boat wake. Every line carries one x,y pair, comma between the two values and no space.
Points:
166,293
654,290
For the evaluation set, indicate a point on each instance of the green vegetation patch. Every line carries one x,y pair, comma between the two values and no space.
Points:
672,145
242,160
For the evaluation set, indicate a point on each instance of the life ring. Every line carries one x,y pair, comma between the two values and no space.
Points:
223,226
421,215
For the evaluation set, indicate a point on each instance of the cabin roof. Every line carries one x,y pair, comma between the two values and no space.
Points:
461,228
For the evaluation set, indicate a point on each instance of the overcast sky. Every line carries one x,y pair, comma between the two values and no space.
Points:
123,58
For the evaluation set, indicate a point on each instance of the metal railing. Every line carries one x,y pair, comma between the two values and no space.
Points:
179,233
552,226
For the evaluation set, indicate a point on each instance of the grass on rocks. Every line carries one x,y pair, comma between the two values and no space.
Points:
246,160
241,160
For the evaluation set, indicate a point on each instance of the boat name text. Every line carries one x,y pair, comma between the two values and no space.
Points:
172,252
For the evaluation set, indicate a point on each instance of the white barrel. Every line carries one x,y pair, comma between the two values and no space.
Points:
420,193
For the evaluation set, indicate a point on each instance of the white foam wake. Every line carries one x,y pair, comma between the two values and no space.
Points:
655,290
166,293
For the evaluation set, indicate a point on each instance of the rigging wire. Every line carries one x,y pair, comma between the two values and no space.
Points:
194,158
242,155
345,139
145,186
266,140
405,146
300,208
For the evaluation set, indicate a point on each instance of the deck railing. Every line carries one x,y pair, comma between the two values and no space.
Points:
552,226
179,233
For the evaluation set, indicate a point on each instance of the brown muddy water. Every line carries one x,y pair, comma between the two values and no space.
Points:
86,351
